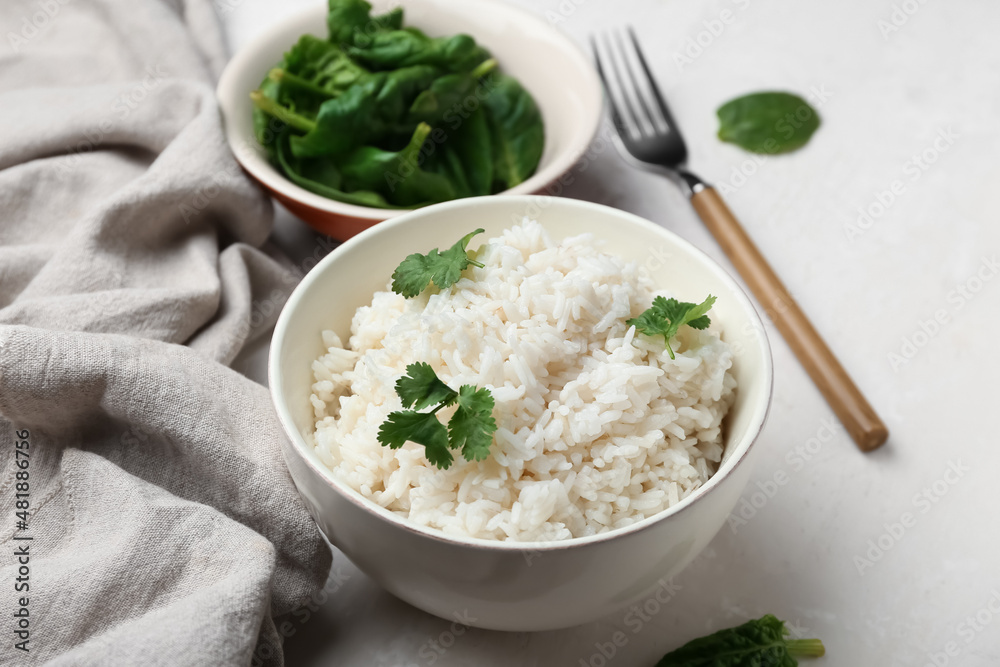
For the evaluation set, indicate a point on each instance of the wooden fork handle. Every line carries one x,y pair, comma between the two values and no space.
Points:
856,414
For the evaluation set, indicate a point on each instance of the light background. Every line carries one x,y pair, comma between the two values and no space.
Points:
870,289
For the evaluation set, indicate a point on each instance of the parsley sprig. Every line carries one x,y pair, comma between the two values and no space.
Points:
666,316
470,429
417,271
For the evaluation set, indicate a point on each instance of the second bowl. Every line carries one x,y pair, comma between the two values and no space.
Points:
546,62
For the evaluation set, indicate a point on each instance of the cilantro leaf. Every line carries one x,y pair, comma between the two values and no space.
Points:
421,388
417,271
760,643
412,275
471,427
666,316
422,428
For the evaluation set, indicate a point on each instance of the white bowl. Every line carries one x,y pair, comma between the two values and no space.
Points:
501,585
546,62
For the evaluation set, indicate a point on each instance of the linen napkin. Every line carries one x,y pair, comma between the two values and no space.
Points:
144,503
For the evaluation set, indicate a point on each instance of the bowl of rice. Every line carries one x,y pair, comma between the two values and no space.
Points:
615,457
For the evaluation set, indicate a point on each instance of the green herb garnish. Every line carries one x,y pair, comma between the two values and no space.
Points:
470,429
444,269
767,123
760,643
666,316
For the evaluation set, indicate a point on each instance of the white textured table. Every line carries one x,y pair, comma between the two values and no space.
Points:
891,558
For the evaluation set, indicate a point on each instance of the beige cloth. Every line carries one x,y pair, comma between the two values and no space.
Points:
165,528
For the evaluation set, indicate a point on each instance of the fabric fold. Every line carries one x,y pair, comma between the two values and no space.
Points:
164,527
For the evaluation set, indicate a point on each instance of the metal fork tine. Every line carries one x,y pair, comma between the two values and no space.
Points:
664,109
623,73
616,115
650,115
622,111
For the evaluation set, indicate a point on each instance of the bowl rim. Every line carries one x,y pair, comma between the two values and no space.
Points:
228,97
311,459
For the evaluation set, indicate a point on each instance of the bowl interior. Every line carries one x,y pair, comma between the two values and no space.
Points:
346,279
545,61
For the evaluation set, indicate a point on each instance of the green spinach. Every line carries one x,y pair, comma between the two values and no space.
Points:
448,93
759,643
316,65
397,175
384,115
323,178
350,21
516,131
265,126
466,156
344,122
402,48
768,123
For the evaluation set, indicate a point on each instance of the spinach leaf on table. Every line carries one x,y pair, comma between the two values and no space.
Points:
767,123
759,643
397,175
516,130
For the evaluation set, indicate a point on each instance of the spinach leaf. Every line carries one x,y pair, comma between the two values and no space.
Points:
447,162
466,156
366,113
345,122
302,173
347,18
760,643
391,20
401,48
516,131
448,93
266,127
350,21
323,65
398,176
443,94
281,113
767,123
401,88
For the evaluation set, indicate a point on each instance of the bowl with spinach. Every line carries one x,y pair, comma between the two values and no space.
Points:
353,112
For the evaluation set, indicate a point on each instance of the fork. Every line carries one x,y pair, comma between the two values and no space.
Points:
650,139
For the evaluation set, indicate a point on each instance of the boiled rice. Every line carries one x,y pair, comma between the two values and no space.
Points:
598,427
